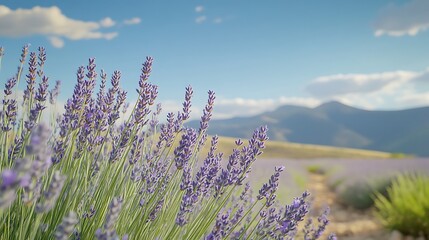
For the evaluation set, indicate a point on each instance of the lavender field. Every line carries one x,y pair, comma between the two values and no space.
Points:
348,188
90,172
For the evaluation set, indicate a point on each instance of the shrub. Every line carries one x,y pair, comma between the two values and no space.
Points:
406,208
316,169
93,174
360,194
356,181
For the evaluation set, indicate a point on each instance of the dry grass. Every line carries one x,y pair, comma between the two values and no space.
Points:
277,149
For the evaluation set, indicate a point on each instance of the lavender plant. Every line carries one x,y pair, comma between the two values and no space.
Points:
93,174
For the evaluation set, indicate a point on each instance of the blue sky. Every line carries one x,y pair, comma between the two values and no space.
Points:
256,55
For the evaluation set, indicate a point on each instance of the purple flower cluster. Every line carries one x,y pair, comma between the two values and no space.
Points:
293,215
69,179
108,231
269,189
184,151
310,232
67,226
9,106
27,172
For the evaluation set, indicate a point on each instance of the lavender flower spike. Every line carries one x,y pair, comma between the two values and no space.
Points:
52,194
111,217
187,104
7,188
65,229
24,53
323,222
146,70
53,94
207,112
184,151
9,85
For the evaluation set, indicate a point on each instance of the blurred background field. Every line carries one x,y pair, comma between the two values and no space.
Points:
348,186
345,179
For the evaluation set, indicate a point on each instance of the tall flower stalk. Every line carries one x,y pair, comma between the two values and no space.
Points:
96,174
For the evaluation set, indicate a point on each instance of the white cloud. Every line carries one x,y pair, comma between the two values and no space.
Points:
132,21
49,22
341,84
410,19
412,99
199,9
200,19
107,22
387,90
56,42
235,107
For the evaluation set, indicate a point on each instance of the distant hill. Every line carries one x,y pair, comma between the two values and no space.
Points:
336,124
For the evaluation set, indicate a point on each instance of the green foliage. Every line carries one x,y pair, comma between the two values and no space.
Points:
360,194
316,169
406,208
399,155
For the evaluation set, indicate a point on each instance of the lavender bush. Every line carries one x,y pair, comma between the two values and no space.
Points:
94,174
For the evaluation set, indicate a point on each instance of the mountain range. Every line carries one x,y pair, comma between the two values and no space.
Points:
336,124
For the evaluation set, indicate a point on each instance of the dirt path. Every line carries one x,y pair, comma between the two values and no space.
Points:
347,223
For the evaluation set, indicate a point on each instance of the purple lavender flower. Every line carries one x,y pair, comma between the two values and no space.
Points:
147,98
187,103
15,148
42,59
252,151
207,112
67,226
323,222
9,177
119,143
166,134
33,118
183,152
136,151
31,76
154,213
146,70
42,160
9,85
308,229
108,231
268,189
53,94
24,53
52,193
221,226
186,178
293,214
9,114
42,91
90,213
114,114
91,75
332,236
